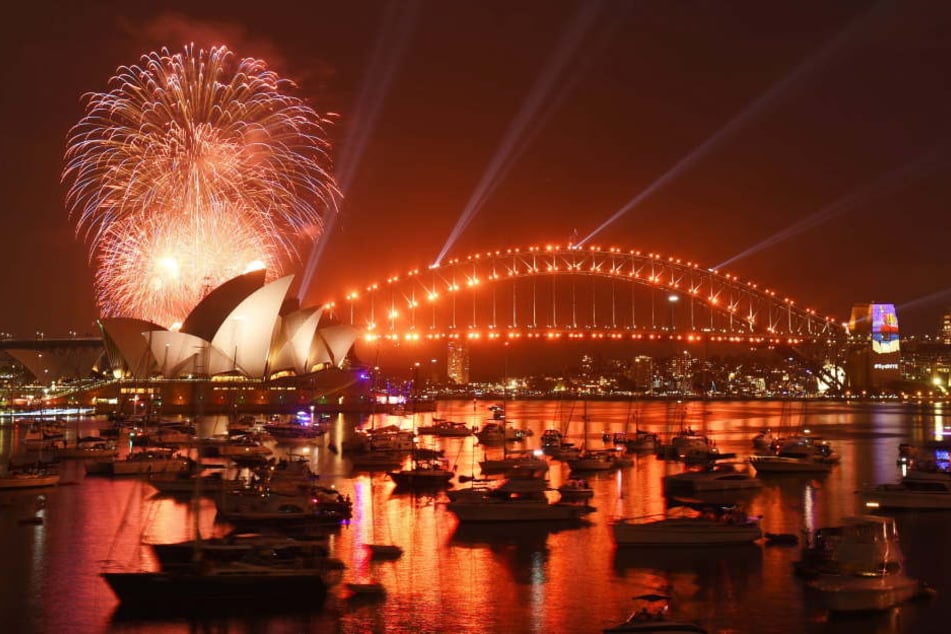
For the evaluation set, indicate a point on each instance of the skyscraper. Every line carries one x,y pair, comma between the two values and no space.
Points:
458,363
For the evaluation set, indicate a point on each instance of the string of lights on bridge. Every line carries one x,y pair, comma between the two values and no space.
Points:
720,293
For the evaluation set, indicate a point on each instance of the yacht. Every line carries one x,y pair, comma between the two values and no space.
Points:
522,497
636,442
865,568
919,490
425,474
86,448
148,461
712,526
691,447
598,460
493,433
799,454
726,476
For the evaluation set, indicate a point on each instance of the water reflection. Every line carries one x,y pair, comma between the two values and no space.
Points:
536,579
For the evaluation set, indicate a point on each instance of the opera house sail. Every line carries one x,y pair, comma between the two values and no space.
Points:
246,344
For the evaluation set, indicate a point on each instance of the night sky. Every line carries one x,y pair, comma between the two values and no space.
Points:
861,137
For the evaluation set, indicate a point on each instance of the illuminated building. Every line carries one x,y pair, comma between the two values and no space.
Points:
458,363
244,328
945,335
874,357
642,373
244,346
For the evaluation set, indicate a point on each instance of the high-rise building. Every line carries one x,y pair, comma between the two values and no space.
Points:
946,328
642,373
457,366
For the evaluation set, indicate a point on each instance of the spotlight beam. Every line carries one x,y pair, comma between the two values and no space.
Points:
527,122
744,117
891,181
925,300
399,21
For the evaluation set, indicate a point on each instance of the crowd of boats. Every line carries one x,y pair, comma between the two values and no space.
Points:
277,507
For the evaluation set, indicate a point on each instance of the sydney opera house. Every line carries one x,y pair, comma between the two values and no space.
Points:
245,346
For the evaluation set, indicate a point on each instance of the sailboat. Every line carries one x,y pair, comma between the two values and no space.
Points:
591,460
379,550
431,473
209,585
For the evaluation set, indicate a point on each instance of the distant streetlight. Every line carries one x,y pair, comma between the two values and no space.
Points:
672,299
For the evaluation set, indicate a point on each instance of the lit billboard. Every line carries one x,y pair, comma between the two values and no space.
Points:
884,328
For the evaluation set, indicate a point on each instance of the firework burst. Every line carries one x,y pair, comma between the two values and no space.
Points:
192,168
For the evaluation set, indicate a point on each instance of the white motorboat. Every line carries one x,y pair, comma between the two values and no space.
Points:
719,477
690,447
520,498
920,490
799,454
688,527
866,569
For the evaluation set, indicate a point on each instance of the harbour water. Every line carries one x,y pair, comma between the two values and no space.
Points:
498,578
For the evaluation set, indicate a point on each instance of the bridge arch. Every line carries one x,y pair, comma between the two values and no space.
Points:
579,292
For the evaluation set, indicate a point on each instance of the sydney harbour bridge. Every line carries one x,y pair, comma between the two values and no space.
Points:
563,293
572,292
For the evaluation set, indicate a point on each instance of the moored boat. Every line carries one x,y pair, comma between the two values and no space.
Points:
423,474
865,570
218,587
29,478
513,460
918,490
799,454
711,526
576,490
718,477
652,617
145,462
522,497
90,447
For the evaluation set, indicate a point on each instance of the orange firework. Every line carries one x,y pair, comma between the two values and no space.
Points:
192,168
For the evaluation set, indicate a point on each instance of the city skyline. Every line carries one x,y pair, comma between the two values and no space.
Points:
802,143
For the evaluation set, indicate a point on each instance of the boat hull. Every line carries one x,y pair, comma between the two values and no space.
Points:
863,594
139,467
508,511
421,479
684,532
28,482
880,498
777,464
185,592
